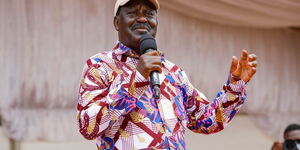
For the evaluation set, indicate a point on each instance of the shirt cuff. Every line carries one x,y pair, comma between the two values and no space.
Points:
235,84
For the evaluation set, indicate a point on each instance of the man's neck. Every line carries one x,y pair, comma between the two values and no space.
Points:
133,48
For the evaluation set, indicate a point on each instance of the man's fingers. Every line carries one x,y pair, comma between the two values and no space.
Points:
156,67
241,64
244,56
148,62
234,64
253,71
153,53
253,64
250,74
154,60
252,57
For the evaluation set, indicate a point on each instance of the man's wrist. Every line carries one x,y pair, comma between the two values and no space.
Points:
233,79
235,84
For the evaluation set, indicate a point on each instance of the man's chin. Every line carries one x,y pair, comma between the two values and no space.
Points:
140,33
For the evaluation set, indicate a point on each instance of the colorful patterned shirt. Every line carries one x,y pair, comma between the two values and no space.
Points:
117,108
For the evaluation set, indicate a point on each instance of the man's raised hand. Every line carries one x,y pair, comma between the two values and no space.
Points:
245,67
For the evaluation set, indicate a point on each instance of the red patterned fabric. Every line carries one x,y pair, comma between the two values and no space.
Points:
117,108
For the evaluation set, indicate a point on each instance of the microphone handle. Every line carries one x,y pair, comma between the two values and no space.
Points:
154,79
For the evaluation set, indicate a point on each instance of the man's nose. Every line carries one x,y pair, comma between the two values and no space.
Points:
142,19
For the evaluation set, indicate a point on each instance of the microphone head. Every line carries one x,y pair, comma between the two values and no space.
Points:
147,42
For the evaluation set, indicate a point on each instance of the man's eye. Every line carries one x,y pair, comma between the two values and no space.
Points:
149,14
131,13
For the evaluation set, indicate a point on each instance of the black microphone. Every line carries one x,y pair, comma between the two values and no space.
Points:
148,44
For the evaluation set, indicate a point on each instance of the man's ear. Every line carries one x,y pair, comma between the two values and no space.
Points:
117,22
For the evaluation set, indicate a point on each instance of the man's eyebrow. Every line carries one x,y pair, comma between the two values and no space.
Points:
130,8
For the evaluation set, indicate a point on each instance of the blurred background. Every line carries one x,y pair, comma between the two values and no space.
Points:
45,43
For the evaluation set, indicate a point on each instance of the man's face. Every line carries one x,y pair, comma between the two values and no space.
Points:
134,19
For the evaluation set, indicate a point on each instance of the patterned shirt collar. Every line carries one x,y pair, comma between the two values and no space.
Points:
121,49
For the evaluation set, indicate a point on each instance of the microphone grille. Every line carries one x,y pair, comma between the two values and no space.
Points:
147,42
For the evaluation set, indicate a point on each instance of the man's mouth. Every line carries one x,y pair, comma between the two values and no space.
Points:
141,28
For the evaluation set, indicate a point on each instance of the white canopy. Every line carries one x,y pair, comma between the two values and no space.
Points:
257,13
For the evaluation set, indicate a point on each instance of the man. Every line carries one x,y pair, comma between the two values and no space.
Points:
116,103
291,137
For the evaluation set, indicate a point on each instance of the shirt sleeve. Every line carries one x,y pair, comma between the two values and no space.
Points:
210,117
105,94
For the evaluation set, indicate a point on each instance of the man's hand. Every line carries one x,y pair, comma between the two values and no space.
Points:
244,68
149,62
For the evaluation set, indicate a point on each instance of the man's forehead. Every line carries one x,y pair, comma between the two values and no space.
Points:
293,135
